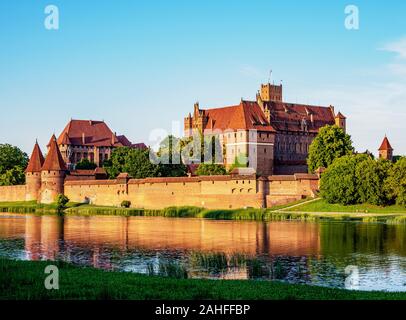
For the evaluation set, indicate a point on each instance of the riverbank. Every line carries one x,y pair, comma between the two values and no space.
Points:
320,205
24,280
310,210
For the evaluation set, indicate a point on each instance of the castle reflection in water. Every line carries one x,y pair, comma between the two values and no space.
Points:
131,243
47,237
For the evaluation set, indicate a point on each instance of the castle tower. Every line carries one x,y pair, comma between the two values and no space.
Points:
341,121
33,174
270,92
386,150
52,174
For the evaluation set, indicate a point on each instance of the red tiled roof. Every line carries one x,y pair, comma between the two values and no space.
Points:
385,146
245,116
88,133
81,172
36,160
99,170
340,115
124,141
289,116
140,145
54,161
65,139
248,115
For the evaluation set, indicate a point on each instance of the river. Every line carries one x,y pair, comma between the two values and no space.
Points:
360,256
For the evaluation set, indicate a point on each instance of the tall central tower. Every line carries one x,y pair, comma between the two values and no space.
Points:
270,92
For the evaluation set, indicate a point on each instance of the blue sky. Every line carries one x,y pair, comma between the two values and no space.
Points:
140,65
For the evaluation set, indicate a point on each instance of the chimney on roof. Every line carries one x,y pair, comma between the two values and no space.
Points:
113,135
83,138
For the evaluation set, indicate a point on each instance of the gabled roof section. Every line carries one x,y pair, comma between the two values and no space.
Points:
65,139
54,160
140,145
385,146
292,116
245,116
89,133
248,115
124,141
36,161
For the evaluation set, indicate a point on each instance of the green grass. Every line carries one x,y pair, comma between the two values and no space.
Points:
311,211
27,207
283,206
31,207
322,206
24,280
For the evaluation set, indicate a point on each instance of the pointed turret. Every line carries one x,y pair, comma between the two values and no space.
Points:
340,121
385,145
386,150
54,160
52,174
36,160
33,174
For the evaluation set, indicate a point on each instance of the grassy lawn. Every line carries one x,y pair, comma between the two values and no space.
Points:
283,206
24,280
31,207
322,206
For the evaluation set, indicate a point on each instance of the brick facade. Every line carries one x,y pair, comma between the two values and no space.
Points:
273,134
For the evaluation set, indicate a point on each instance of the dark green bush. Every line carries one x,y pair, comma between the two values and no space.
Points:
61,201
125,204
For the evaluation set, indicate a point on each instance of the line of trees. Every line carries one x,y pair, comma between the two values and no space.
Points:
353,178
356,179
13,162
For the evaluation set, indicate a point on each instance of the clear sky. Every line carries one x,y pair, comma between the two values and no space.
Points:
140,65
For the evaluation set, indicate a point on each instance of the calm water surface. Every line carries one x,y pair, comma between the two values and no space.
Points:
296,252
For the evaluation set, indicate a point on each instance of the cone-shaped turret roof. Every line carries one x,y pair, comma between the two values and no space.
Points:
385,146
36,161
340,116
54,160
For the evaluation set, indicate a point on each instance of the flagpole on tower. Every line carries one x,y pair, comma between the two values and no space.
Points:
270,76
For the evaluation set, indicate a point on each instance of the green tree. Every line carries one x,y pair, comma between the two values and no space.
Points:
135,162
339,183
170,155
371,176
211,169
395,184
201,148
331,143
61,201
115,165
241,161
85,165
14,176
13,162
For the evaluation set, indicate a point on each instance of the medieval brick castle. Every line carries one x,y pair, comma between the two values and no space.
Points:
90,140
276,134
273,135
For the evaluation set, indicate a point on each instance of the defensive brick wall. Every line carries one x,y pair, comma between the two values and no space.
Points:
215,192
12,193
